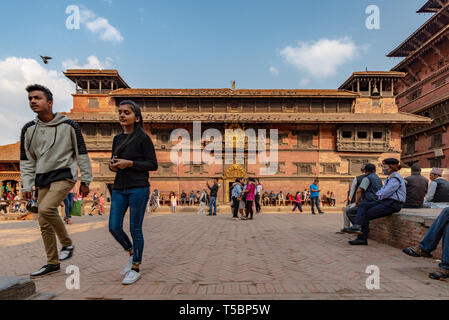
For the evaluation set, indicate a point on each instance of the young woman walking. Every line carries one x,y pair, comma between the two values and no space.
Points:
297,202
133,156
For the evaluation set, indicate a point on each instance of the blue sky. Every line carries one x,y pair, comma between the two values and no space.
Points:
199,43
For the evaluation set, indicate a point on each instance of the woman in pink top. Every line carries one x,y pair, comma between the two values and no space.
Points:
250,197
297,202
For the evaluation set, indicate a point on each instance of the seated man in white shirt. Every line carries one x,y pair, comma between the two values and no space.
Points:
438,193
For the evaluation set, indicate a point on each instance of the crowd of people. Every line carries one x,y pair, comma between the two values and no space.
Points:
371,199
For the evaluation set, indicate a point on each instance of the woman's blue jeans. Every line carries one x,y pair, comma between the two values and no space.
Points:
136,200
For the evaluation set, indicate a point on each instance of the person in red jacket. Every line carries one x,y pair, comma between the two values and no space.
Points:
297,202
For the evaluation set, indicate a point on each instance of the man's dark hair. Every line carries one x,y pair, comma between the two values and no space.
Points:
370,168
38,87
416,168
316,180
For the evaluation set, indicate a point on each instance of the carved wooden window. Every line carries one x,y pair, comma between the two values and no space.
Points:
329,168
439,83
89,129
355,166
106,130
279,165
305,140
165,169
304,168
435,163
436,140
344,106
282,137
93,103
346,134
378,135
411,144
362,135
414,95
375,138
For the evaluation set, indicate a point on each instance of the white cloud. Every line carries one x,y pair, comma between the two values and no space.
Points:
100,26
92,63
274,71
15,74
304,82
321,59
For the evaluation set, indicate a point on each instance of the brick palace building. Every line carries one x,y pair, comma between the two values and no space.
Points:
425,88
322,133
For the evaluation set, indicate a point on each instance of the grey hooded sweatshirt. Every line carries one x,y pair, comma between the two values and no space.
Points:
51,152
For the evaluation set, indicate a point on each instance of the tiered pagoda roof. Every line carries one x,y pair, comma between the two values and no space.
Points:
10,153
428,31
432,6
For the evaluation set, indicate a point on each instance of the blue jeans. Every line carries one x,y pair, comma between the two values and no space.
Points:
68,204
297,205
315,202
213,202
136,199
438,230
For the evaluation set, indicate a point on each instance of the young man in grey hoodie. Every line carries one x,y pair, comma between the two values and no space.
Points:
51,149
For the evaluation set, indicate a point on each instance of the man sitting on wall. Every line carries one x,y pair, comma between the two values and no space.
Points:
439,229
438,193
417,186
390,200
351,199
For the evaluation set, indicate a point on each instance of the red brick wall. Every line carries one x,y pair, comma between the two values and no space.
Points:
399,232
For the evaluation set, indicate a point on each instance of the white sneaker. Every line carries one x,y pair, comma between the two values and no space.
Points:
131,277
128,266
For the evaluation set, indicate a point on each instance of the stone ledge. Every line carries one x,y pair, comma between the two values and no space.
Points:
16,288
405,228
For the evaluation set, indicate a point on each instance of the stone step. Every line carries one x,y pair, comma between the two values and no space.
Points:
12,288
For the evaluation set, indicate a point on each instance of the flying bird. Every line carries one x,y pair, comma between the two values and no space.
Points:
45,59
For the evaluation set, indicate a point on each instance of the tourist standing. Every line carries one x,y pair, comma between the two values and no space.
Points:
250,192
133,156
191,198
315,196
236,197
259,189
213,197
203,199
49,161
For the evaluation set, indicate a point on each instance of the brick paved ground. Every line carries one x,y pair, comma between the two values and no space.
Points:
276,256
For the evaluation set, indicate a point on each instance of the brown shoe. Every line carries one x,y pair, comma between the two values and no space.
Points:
440,274
417,251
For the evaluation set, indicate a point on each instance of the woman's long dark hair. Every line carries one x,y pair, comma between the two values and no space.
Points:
138,126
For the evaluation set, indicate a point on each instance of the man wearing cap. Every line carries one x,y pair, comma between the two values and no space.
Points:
417,186
389,200
438,193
